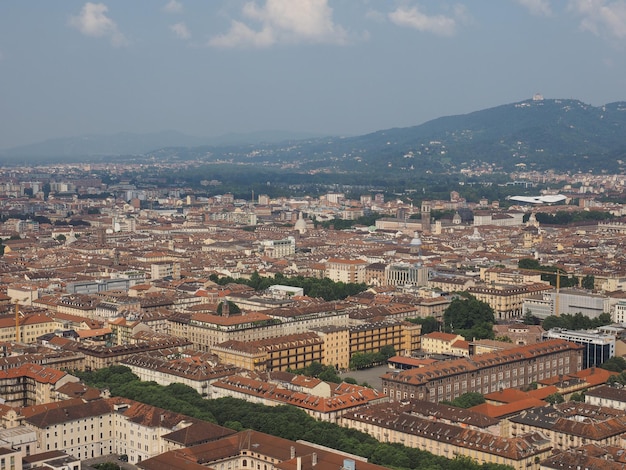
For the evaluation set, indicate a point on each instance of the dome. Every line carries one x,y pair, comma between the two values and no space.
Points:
300,225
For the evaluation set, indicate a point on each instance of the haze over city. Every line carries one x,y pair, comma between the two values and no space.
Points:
311,66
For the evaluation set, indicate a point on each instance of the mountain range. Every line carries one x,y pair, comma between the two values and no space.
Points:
539,134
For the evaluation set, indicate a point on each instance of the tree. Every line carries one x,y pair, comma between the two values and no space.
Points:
429,324
578,396
555,398
615,364
530,319
469,317
528,263
232,308
467,400
588,282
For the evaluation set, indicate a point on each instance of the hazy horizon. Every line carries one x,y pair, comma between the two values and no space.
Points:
320,67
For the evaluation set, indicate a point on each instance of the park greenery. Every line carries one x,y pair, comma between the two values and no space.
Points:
283,421
363,360
555,398
615,364
576,321
317,288
319,371
467,400
469,317
345,224
567,217
429,324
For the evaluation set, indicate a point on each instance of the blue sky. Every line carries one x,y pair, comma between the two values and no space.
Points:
341,67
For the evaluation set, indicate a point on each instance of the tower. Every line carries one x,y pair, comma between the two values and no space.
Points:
425,216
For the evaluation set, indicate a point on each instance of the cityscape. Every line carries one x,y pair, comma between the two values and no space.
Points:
313,235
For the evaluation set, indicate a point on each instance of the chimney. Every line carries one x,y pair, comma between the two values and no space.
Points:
314,459
299,463
293,452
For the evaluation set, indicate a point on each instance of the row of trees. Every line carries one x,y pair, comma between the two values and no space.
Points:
318,288
287,422
319,371
576,321
369,359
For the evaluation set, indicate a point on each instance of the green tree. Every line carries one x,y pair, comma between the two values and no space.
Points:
469,317
467,400
615,364
588,282
429,324
555,398
578,396
233,308
528,263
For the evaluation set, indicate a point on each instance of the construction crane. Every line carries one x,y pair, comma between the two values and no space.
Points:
558,275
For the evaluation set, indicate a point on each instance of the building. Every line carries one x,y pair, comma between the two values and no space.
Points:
406,274
278,249
321,400
607,396
371,337
255,450
442,343
32,384
571,424
448,432
507,301
195,372
346,270
284,353
598,347
486,373
165,269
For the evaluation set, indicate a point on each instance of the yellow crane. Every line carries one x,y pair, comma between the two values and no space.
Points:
558,275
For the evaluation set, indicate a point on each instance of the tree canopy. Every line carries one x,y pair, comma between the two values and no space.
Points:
469,317
287,422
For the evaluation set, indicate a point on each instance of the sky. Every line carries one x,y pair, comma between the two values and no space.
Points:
336,67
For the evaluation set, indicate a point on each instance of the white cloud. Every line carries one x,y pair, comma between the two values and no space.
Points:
93,21
537,7
181,30
283,21
441,25
173,6
602,17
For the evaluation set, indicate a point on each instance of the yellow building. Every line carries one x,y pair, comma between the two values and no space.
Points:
286,352
371,337
31,326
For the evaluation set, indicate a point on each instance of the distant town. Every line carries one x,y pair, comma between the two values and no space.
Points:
402,327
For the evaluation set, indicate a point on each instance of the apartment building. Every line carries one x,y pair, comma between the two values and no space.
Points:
99,357
443,343
507,301
259,451
607,396
485,373
329,406
372,336
32,384
29,328
195,372
572,424
346,270
116,425
449,433
282,353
